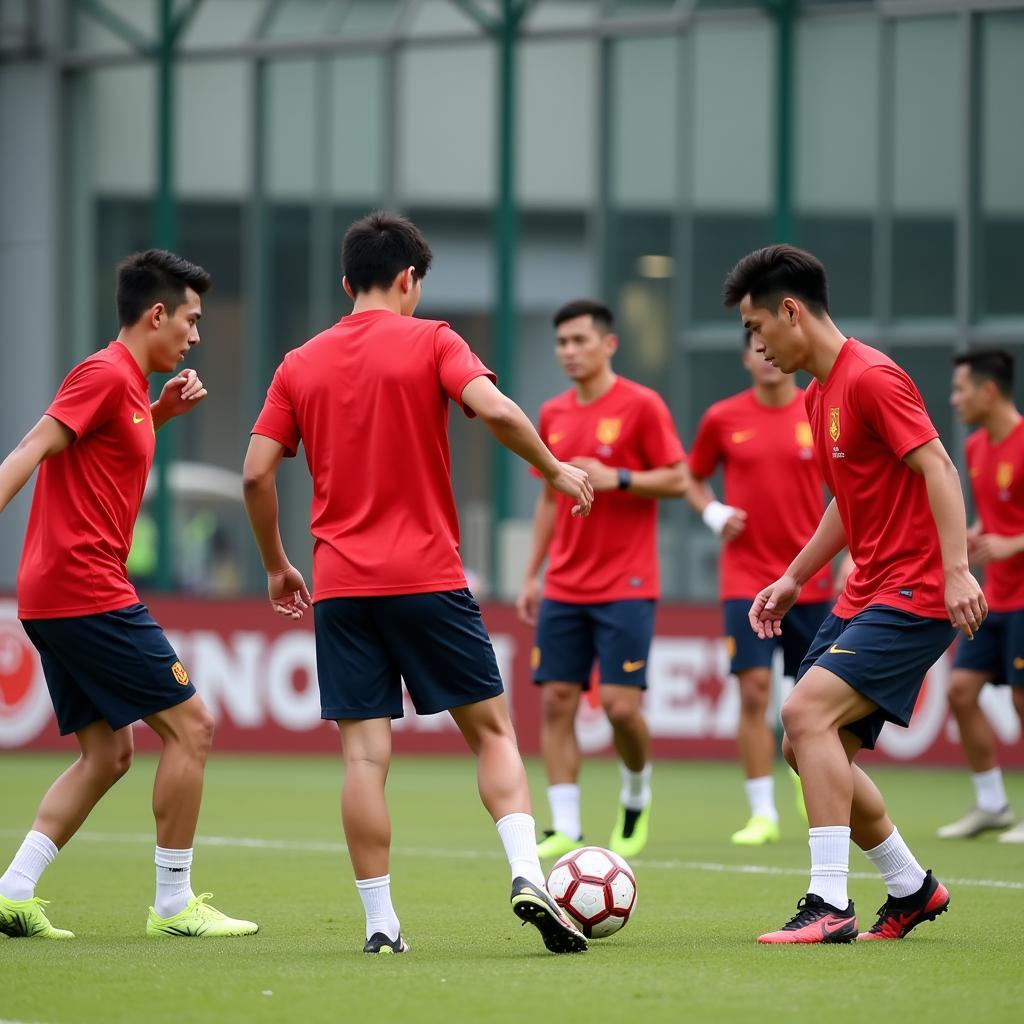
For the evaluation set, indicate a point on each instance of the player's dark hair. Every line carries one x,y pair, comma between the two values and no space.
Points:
156,275
378,247
994,364
597,311
768,275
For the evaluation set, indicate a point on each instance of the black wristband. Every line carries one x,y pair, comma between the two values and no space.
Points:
625,479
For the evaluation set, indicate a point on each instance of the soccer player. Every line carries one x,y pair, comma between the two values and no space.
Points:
368,399
763,439
107,663
899,508
983,397
602,581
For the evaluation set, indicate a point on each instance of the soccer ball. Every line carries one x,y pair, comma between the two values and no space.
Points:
596,888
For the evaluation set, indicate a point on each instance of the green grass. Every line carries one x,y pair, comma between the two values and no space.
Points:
688,954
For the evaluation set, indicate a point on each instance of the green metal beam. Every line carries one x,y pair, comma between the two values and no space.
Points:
114,22
482,17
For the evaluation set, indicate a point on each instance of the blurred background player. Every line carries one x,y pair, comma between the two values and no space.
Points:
763,439
909,591
983,397
368,398
107,663
602,582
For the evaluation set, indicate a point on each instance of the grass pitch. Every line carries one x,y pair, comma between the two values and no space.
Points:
271,848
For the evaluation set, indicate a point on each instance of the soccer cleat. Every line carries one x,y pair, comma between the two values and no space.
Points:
198,920
1014,835
26,919
378,942
899,914
532,905
815,921
757,832
629,836
975,822
557,844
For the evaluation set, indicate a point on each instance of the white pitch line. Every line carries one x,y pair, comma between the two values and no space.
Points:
297,846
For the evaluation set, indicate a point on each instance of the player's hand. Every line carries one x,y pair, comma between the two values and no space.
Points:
990,547
576,484
770,605
180,394
288,594
528,602
965,603
602,477
734,525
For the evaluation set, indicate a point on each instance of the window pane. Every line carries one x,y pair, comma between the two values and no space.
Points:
358,127
719,240
289,154
931,369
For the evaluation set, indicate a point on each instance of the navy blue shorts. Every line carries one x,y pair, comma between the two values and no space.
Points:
570,637
884,654
747,650
437,643
117,666
997,649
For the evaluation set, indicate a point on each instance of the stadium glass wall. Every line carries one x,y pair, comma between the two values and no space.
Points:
646,159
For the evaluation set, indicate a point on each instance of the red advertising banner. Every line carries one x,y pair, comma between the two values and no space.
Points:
257,672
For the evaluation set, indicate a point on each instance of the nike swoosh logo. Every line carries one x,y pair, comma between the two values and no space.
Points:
136,418
839,650
633,666
739,436
838,924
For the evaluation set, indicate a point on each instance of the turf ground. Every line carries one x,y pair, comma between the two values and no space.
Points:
271,849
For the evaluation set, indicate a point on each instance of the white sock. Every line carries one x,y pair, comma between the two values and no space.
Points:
380,914
518,834
565,809
761,796
34,856
900,871
173,881
830,863
635,794
991,794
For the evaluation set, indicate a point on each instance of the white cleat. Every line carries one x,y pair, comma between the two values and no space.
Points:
1015,835
976,821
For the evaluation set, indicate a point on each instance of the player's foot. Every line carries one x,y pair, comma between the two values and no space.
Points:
815,921
378,942
629,836
199,919
898,915
557,844
759,830
1014,835
26,919
798,788
975,822
532,905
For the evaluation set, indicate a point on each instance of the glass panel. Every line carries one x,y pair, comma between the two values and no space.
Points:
370,16
440,16
844,245
90,33
122,162
302,18
223,21
560,13
931,369
358,128
290,128
639,8
719,241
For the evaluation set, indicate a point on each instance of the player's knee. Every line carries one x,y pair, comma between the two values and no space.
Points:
798,718
621,712
754,695
111,764
789,754
198,735
961,695
558,702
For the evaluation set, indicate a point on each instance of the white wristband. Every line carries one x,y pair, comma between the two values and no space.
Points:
716,515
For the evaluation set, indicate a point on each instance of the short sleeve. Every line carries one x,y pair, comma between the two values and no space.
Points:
706,453
90,395
457,365
277,420
893,408
659,442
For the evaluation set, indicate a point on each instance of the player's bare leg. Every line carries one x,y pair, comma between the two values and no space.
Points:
561,753
632,738
756,744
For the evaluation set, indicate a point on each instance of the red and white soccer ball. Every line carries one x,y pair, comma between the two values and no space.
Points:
596,888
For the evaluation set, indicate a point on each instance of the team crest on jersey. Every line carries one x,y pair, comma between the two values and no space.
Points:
1004,477
833,424
608,430
804,437
179,673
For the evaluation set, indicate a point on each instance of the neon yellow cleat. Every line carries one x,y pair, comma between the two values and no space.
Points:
759,830
800,805
25,919
199,919
629,836
557,844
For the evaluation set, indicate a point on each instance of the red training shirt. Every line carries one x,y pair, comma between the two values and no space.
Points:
768,453
87,496
997,479
865,417
368,399
612,554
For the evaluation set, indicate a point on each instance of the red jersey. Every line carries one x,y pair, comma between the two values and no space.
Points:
997,479
768,454
87,496
368,399
865,417
611,554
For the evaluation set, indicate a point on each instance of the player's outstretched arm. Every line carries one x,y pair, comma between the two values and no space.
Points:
965,603
721,519
46,438
662,482
528,602
179,395
512,428
285,585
